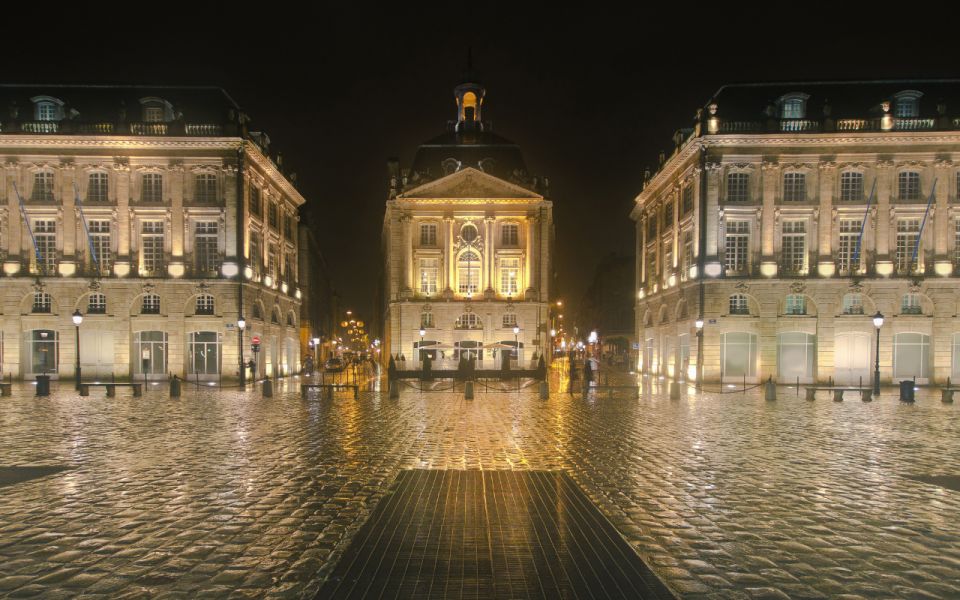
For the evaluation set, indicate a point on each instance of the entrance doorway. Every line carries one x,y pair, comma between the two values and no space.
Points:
150,354
852,353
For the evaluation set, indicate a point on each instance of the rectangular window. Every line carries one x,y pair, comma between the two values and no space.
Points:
153,114
794,250
794,187
152,188
739,305
651,227
910,305
738,187
151,304
908,185
45,234
42,187
97,304
851,187
852,304
667,215
205,243
272,260
100,239
509,276
687,260
205,190
428,235
796,304
651,265
736,247
272,215
687,199
667,259
847,249
288,271
288,227
908,232
956,243
510,234
152,246
255,260
509,321
429,270
97,186
426,320
255,206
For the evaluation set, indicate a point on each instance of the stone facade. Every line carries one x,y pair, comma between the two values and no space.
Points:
467,244
135,225
787,236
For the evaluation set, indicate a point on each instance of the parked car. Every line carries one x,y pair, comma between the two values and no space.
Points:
333,365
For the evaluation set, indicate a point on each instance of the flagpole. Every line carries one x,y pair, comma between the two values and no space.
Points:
86,230
23,212
916,247
855,263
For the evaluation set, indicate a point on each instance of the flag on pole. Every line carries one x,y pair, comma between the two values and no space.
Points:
916,247
26,221
86,230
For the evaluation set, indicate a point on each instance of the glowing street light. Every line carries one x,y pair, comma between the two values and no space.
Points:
878,323
77,319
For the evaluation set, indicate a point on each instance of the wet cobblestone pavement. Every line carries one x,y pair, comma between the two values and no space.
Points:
221,494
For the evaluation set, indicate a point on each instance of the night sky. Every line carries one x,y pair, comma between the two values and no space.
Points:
591,100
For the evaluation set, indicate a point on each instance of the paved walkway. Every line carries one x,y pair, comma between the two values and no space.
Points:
231,495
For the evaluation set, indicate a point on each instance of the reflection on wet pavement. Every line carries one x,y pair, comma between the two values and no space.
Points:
224,493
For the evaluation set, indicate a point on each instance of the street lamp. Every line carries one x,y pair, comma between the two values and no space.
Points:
516,343
423,332
878,323
241,325
77,319
699,325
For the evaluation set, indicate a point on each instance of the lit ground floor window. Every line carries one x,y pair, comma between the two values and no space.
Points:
42,351
796,356
911,356
852,357
150,353
738,354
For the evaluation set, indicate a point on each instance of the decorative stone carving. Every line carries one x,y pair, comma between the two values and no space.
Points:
797,287
742,287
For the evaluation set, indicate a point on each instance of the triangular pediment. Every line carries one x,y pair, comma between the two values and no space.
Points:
469,183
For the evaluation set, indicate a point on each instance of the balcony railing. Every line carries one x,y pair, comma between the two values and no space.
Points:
148,128
40,126
95,128
799,125
203,129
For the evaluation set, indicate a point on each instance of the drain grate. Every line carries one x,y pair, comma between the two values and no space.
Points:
489,534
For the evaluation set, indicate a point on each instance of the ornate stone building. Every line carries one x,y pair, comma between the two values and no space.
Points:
467,239
787,217
140,209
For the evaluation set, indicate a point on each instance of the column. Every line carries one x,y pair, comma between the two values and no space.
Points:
883,263
824,250
714,171
406,276
533,257
451,260
942,266
71,225
124,191
487,277
770,178
177,176
11,266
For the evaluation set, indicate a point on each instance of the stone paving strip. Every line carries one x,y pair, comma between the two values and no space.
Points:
221,494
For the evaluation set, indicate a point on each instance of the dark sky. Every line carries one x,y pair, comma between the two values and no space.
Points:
591,99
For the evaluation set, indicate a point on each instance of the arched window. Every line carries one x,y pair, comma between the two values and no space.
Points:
290,321
468,321
468,272
42,302
907,104
97,304
910,305
151,304
205,304
275,316
853,304
739,305
793,106
47,108
257,311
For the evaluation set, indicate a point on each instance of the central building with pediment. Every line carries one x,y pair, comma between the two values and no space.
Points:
467,242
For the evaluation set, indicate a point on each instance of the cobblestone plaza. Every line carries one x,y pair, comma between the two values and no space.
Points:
228,494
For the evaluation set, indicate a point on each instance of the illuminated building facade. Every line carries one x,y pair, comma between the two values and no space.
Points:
467,238
791,214
140,208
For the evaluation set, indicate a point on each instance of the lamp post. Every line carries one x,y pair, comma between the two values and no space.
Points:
878,323
699,325
516,343
77,319
316,352
241,325
423,332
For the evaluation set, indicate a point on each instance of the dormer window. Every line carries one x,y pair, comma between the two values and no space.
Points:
793,106
906,104
47,108
156,110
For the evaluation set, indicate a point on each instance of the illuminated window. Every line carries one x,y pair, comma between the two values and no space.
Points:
97,187
428,234
668,215
468,273
906,107
792,108
205,243
509,321
152,188
686,260
736,247
205,304
851,186
429,270
46,111
151,304
151,239
469,106
739,305
794,187
848,254
908,232
908,185
426,320
100,240
42,302
45,236
510,234
738,187
509,276
468,321
42,187
97,304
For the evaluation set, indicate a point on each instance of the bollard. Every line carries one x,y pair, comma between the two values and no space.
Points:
946,396
267,389
906,391
394,390
674,390
43,385
544,390
468,390
175,387
770,392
